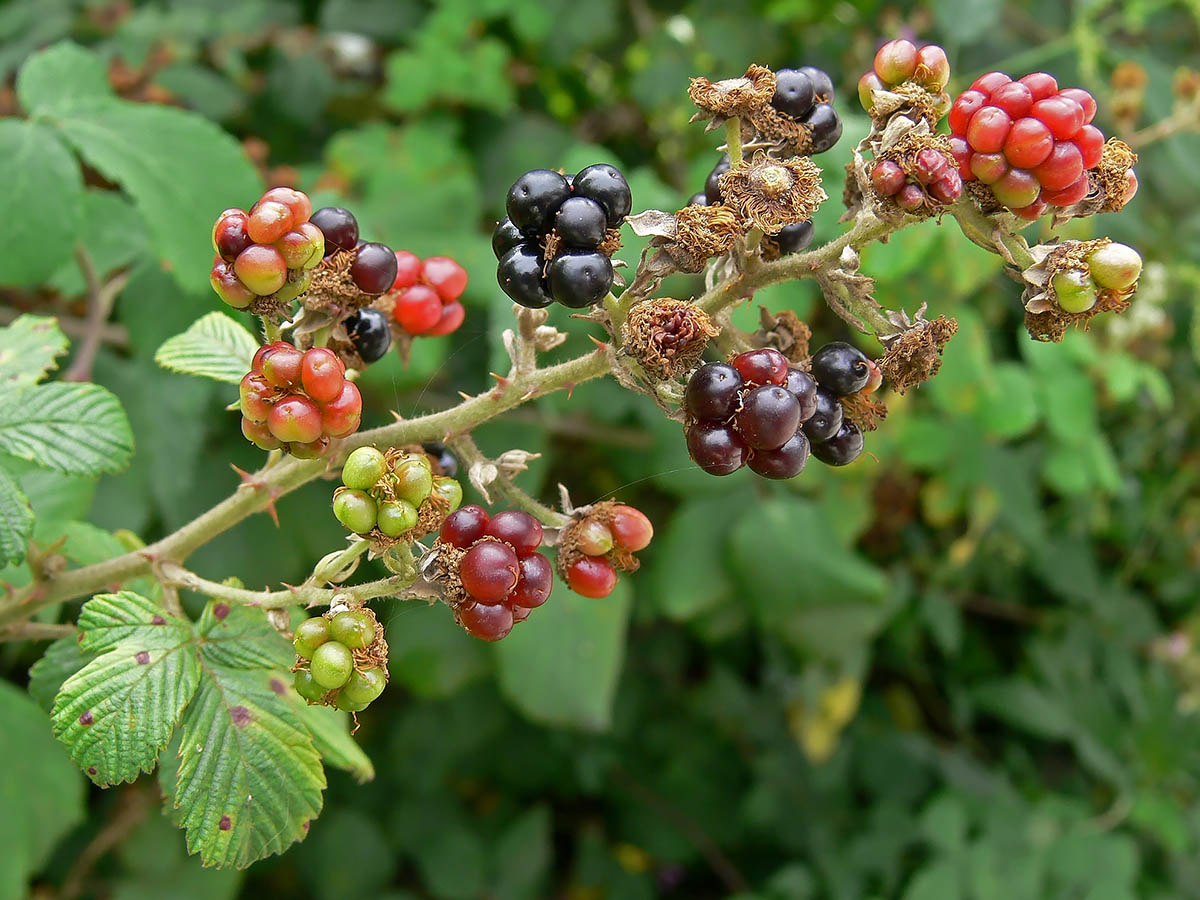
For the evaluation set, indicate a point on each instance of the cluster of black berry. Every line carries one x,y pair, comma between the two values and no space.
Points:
549,247
791,239
756,410
806,95
374,266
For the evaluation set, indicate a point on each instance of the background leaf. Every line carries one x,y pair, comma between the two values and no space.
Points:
78,429
28,350
16,520
214,347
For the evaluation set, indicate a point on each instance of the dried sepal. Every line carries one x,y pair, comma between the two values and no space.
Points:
332,286
667,337
914,351
910,99
1045,319
732,97
768,194
786,333
864,410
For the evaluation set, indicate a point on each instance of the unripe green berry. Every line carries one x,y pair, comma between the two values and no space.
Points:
307,687
352,627
310,634
363,687
414,480
449,490
344,703
1074,291
1115,266
363,468
331,665
356,510
395,519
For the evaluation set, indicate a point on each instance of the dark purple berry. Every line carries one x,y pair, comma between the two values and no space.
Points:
768,417
841,368
520,276
794,94
804,388
534,198
339,227
786,462
841,449
374,268
698,199
712,392
446,461
607,186
794,238
825,127
716,448
824,423
581,222
712,185
580,279
505,236
369,333
821,82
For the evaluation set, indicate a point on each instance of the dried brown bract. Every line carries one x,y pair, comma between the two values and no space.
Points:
733,96
786,333
915,354
769,194
667,337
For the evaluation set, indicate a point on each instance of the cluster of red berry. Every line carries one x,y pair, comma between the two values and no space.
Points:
621,531
427,294
934,179
502,573
900,61
1030,142
298,400
267,252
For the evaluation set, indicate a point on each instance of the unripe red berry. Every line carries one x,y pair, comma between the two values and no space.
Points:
1040,85
295,418
988,130
967,104
535,583
911,198
1071,194
464,526
1131,186
988,167
296,201
593,537
254,395
1062,167
887,177
453,315
408,270
762,366
631,529
259,434
962,157
948,188
488,623
896,61
933,68
518,529
1084,99
1033,211
269,221
343,415
418,309
311,450
1014,98
489,571
1017,188
1062,115
280,364
930,165
868,83
229,287
321,374
445,276
592,576
985,84
1090,142
1029,142
261,268
303,247
229,234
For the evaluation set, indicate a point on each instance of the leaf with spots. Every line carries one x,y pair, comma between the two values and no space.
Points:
249,778
117,712
28,349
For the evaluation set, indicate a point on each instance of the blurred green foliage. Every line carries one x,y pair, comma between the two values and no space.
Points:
936,674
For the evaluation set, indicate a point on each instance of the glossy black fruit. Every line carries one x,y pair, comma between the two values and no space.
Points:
821,82
841,368
698,199
794,94
520,276
534,198
607,186
369,333
794,238
339,227
786,462
712,392
716,448
581,223
825,127
804,387
374,268
824,423
712,185
769,416
505,236
579,279
841,449
447,462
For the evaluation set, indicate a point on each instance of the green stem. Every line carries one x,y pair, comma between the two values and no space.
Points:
733,140
469,454
335,563
321,336
618,310
400,587
270,331
989,234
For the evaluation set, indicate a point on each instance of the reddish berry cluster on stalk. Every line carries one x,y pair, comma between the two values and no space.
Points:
298,400
623,531
934,179
427,294
898,62
268,251
502,573
1027,140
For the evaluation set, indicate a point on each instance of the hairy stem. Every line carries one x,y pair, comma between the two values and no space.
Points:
395,586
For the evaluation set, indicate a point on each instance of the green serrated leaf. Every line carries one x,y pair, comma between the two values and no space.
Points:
28,349
180,169
78,429
330,730
249,776
40,211
61,77
118,711
213,347
40,791
16,520
62,659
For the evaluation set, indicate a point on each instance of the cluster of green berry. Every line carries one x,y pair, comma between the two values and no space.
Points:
385,494
328,671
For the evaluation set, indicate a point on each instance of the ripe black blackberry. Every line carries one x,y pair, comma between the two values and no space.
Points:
840,370
806,95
